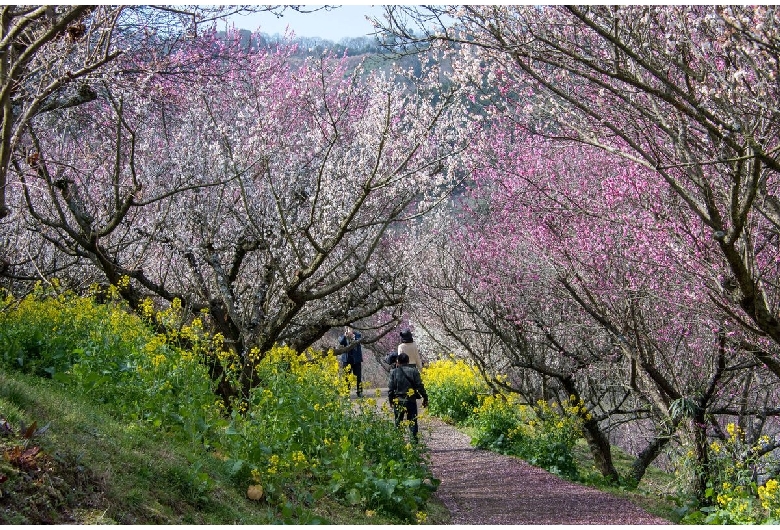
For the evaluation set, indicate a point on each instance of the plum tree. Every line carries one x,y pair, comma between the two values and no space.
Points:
665,242
689,93
53,56
261,191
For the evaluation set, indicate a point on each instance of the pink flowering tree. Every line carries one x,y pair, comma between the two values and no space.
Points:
667,241
688,93
259,190
559,274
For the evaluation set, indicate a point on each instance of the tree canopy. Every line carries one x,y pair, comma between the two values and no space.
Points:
580,198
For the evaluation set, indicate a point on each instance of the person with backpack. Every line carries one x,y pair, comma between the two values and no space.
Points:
404,388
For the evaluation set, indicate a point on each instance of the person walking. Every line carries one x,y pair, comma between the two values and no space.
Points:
404,388
409,347
354,356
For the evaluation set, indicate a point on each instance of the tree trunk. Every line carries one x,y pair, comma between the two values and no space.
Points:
698,426
598,443
649,454
601,450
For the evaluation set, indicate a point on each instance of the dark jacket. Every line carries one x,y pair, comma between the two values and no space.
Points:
402,379
354,354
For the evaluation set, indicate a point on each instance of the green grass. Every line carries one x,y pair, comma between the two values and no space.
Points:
92,470
654,494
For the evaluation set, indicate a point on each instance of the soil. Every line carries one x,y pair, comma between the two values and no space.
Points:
480,487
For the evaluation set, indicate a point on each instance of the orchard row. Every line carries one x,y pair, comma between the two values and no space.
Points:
580,198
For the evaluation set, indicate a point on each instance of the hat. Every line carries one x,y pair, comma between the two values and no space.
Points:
406,336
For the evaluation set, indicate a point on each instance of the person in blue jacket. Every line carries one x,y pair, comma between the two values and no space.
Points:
354,356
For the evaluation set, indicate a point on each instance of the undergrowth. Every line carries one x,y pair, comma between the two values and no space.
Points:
543,434
294,449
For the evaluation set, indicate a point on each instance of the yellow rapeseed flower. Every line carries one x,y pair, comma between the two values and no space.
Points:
274,462
723,499
147,308
256,476
298,458
157,360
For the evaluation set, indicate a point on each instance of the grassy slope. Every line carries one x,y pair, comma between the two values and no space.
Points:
92,469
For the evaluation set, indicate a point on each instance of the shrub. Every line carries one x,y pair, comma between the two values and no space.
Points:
736,498
111,355
47,331
453,389
496,423
543,435
300,428
547,436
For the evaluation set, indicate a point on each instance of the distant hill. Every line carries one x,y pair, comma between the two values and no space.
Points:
351,46
356,49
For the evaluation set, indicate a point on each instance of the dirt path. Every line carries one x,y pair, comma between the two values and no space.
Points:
480,487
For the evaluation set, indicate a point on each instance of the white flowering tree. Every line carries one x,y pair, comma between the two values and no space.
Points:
264,192
52,57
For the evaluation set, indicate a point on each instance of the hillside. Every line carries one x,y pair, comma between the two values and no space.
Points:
66,461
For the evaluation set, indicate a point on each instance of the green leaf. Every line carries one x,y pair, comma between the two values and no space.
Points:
236,467
412,483
231,430
62,377
386,487
353,497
